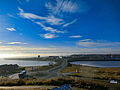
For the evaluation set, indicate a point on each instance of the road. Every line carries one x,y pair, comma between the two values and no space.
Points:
45,74
49,73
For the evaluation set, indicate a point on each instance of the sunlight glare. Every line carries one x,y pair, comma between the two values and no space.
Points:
7,55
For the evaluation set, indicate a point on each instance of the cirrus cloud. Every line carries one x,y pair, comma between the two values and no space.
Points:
88,43
77,36
85,40
48,35
49,19
52,30
16,43
71,6
10,29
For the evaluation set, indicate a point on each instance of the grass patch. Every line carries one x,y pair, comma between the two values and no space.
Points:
87,84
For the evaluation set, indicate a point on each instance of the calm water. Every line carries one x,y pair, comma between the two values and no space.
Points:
24,63
98,63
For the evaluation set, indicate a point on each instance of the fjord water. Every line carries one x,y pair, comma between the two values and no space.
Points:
98,63
25,62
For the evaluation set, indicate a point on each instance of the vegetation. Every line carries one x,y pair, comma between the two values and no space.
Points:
94,72
6,70
84,77
87,84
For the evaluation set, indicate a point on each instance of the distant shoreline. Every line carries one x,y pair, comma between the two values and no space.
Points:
69,59
94,60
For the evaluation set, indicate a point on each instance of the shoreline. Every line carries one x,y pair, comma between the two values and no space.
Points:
69,60
97,66
74,75
95,60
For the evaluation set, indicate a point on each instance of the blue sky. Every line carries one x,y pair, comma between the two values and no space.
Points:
59,27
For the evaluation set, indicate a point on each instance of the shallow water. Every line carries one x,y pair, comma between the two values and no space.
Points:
98,63
25,62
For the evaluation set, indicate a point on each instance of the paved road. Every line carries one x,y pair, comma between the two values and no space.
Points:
50,73
45,74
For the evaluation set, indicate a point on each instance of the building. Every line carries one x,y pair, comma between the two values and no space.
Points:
113,81
54,57
38,56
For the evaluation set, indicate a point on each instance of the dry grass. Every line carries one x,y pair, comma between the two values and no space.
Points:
94,72
86,84
37,68
86,78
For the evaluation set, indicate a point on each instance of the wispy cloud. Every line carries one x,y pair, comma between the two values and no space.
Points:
52,30
10,15
10,29
54,21
47,51
48,36
87,43
67,24
24,48
71,6
16,43
49,19
77,36
85,40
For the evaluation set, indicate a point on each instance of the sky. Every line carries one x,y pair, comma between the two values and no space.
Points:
59,27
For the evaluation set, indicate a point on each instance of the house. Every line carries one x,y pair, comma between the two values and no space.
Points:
113,81
54,57
38,56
